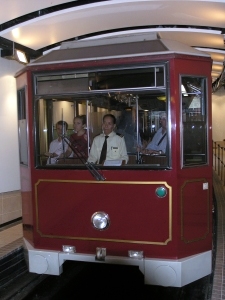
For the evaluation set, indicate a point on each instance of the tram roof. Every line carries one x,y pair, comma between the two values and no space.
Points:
116,47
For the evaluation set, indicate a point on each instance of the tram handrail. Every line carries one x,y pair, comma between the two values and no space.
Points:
90,166
219,159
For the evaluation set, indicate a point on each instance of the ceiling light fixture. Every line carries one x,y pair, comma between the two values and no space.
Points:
21,56
15,54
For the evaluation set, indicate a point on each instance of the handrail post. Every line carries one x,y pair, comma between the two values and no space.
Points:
218,159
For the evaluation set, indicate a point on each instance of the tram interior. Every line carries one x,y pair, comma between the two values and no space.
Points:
136,97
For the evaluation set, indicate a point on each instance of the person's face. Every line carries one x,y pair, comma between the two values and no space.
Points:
77,124
59,130
163,123
108,125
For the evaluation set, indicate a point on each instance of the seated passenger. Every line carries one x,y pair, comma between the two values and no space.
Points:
108,145
57,146
159,141
78,140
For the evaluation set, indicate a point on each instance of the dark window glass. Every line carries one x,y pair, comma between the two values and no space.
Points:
22,126
194,134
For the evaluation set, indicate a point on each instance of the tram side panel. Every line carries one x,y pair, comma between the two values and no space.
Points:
194,162
25,128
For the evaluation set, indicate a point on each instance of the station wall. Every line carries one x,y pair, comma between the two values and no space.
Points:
10,198
218,115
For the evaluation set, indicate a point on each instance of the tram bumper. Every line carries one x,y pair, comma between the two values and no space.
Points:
163,272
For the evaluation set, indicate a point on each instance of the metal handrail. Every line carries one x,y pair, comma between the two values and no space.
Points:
219,159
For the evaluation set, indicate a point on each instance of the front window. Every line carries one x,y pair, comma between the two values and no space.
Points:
138,100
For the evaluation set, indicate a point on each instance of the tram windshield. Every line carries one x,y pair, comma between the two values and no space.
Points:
139,101
137,120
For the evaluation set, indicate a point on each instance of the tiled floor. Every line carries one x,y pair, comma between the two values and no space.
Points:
10,238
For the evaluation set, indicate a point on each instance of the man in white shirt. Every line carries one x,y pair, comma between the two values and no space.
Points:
57,146
116,147
159,141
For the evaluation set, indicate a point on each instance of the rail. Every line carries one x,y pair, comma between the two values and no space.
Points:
219,159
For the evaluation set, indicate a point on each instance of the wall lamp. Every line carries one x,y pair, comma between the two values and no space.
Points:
21,56
15,54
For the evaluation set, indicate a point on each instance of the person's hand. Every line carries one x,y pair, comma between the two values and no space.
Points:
145,143
139,149
62,155
148,151
48,154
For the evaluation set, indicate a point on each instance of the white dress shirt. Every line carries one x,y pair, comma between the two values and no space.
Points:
116,148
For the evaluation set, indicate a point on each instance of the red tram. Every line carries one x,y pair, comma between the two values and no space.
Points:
154,212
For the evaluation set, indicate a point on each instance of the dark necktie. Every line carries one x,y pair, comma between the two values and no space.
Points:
104,150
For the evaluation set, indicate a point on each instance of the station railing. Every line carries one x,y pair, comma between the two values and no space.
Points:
219,159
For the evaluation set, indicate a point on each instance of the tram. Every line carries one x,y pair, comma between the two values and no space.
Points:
153,212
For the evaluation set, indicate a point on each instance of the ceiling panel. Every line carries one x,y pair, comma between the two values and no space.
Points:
17,8
176,20
110,15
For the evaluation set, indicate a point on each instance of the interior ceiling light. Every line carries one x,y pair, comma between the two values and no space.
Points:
162,98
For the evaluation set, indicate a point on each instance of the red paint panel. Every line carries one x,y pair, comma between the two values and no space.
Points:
194,211
133,210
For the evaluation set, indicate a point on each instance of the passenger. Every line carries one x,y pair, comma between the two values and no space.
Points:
57,146
79,139
108,145
126,127
159,141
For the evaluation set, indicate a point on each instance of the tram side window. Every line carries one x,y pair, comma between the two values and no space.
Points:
194,120
22,126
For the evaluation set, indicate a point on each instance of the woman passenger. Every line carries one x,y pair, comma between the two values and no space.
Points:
78,140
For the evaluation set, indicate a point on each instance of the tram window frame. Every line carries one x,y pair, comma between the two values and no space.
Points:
157,91
22,126
194,120
81,81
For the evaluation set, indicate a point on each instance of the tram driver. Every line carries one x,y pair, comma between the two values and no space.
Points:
108,146
159,141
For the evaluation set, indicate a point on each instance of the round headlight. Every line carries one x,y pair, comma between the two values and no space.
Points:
100,220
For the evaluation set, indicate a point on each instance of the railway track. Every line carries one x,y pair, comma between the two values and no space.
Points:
83,280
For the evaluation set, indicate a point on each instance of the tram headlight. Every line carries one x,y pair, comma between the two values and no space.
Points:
135,254
100,220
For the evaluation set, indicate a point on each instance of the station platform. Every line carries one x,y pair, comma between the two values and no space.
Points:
12,262
11,238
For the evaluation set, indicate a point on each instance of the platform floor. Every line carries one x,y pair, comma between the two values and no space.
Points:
11,238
